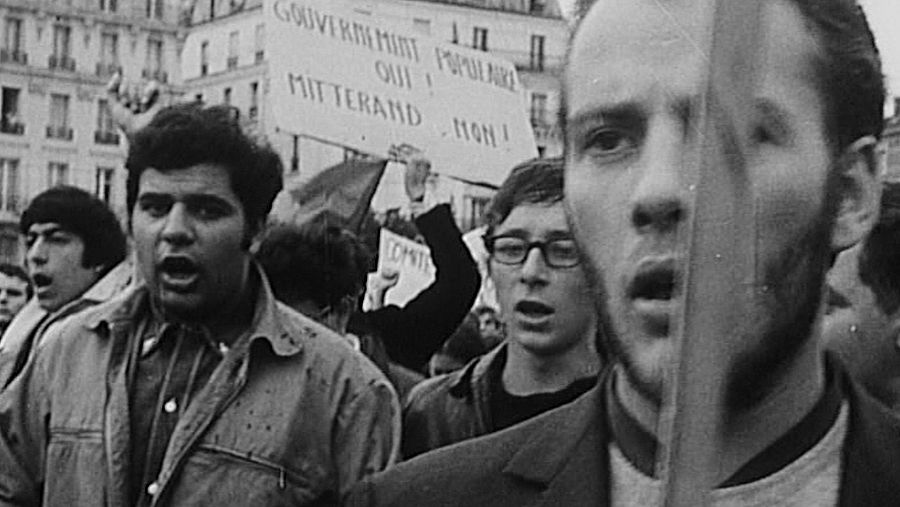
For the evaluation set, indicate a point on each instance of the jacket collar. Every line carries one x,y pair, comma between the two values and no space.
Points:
555,446
268,322
476,373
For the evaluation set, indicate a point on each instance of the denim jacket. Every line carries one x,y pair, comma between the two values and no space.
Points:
291,416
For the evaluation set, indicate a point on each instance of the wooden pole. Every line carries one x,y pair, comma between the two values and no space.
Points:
719,245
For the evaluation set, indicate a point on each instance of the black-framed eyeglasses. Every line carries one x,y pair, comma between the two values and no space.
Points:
513,250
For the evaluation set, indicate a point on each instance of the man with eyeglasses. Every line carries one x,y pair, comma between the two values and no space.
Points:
550,356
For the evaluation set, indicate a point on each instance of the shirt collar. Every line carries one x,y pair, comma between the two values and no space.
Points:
285,331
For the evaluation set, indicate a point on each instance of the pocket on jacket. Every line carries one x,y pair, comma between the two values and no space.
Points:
219,476
75,468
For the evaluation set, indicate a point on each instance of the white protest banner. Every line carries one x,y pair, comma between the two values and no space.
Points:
412,260
367,82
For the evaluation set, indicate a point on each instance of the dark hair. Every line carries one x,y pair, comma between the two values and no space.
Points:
316,261
465,343
848,70
483,309
84,215
879,267
184,135
539,180
13,271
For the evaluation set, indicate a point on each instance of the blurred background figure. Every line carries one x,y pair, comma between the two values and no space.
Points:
490,326
464,345
862,322
15,291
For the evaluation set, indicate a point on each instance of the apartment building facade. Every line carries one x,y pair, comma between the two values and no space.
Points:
56,57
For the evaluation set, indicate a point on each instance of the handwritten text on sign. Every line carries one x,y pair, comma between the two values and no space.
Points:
412,260
366,82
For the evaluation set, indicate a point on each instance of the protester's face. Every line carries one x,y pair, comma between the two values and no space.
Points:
491,329
634,77
547,310
54,261
13,295
189,228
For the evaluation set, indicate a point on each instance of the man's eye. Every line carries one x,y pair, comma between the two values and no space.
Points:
608,142
155,208
208,211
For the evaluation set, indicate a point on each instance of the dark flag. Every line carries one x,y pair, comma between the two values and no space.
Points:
342,193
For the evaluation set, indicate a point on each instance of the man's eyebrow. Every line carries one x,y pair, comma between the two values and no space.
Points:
628,112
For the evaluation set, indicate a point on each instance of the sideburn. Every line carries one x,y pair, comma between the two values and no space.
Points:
795,280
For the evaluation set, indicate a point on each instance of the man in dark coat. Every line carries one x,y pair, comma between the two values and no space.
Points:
798,431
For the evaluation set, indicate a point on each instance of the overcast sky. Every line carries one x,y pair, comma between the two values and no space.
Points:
882,14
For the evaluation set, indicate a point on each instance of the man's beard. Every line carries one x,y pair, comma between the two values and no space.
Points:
793,283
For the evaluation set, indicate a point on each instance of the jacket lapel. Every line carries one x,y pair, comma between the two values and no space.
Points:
568,457
871,452
116,427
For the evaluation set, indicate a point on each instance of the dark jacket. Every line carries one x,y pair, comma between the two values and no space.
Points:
449,408
411,334
291,416
560,459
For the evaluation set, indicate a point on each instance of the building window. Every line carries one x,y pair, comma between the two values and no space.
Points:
57,174
204,58
536,6
538,109
11,118
154,66
59,117
232,50
226,96
198,98
537,53
61,58
12,50
480,38
154,9
253,112
109,54
9,184
109,5
106,129
212,9
259,43
103,184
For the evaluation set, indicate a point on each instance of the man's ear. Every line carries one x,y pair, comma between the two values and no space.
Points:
859,194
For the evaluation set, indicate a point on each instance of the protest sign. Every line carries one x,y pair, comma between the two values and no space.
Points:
367,82
412,260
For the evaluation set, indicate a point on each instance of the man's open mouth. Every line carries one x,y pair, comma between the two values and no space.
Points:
41,280
178,272
654,282
533,309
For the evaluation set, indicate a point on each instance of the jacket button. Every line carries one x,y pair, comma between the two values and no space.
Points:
170,406
153,489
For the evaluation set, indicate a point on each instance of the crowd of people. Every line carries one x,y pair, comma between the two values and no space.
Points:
228,359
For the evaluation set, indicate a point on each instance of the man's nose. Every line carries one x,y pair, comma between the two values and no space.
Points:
37,252
534,267
178,228
659,202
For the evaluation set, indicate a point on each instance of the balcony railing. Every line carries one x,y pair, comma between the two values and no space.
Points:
106,69
14,128
61,62
231,63
59,132
156,75
106,137
11,56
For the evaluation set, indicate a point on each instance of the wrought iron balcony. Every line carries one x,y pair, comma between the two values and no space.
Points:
14,128
61,62
59,132
106,69
157,75
10,56
106,137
